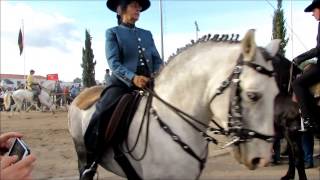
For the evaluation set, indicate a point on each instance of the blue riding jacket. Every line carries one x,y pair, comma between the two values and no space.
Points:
122,52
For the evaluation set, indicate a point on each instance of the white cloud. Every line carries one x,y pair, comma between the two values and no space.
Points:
52,42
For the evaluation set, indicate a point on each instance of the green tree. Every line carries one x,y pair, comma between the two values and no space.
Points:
88,73
77,80
279,30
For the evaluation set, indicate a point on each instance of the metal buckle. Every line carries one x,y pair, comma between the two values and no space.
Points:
234,139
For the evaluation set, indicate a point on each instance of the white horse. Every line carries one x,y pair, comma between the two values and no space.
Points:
190,82
23,95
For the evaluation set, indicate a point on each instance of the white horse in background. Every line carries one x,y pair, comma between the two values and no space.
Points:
189,82
7,100
23,95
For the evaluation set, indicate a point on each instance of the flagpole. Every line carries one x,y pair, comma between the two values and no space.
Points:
24,53
197,29
161,23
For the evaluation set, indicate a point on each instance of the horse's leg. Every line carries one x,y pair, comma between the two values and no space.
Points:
291,169
37,107
28,109
299,158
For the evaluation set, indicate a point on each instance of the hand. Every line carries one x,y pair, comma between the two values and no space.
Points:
295,61
5,142
18,171
140,81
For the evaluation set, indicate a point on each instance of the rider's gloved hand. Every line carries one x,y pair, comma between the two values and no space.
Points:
140,81
296,61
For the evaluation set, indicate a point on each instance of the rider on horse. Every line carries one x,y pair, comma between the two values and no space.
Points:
133,58
301,86
32,85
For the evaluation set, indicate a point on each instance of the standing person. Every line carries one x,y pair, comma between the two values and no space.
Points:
133,59
9,168
32,85
301,85
106,76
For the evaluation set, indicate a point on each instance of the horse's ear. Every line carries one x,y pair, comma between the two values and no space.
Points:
273,47
248,46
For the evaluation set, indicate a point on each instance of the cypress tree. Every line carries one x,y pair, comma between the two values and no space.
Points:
279,30
88,73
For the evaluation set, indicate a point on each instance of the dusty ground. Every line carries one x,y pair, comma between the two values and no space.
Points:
49,139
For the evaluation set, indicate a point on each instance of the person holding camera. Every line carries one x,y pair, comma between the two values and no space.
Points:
301,85
10,168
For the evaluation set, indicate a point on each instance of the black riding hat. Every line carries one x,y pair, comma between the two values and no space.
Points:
314,4
113,4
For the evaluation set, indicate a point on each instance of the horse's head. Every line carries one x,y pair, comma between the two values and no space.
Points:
231,81
251,103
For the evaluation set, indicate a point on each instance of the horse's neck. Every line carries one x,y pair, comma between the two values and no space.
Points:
191,80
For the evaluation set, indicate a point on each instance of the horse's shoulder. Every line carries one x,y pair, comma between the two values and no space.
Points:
88,97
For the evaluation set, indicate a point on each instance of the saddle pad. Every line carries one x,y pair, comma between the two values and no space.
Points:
88,97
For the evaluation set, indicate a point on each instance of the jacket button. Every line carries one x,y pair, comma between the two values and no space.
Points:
148,60
139,39
143,49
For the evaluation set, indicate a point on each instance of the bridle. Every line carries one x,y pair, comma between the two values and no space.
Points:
236,129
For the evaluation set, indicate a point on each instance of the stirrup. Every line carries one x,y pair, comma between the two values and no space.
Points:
302,129
91,169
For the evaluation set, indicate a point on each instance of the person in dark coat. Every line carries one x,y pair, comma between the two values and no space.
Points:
133,59
301,85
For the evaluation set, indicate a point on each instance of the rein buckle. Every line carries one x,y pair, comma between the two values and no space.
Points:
234,140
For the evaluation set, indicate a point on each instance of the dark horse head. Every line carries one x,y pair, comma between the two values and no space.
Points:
286,111
282,67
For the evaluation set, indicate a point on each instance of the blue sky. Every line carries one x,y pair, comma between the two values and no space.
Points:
54,30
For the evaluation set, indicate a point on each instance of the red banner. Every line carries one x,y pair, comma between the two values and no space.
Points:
53,77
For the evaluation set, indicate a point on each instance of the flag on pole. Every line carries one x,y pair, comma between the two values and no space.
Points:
197,27
20,41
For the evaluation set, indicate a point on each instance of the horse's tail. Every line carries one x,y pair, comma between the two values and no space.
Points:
7,101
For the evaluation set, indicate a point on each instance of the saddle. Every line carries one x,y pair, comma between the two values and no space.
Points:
121,118
116,125
113,130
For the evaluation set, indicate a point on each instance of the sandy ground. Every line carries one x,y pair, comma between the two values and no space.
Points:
48,138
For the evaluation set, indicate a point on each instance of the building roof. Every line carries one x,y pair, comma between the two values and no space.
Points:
18,76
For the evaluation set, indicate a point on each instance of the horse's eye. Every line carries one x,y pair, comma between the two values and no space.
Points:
254,96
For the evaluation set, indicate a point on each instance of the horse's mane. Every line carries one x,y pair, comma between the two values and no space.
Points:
217,38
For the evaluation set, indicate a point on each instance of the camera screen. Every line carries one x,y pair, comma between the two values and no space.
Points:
18,150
